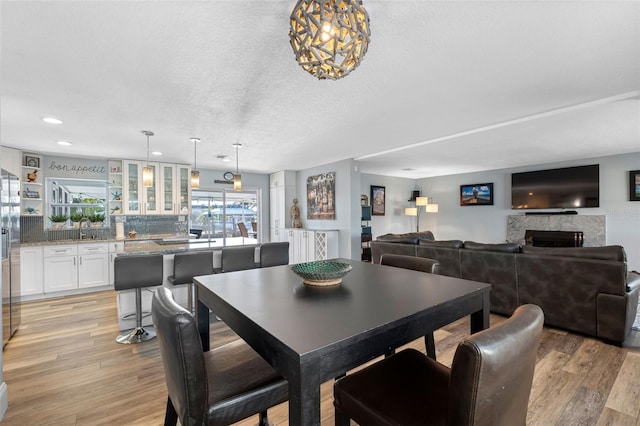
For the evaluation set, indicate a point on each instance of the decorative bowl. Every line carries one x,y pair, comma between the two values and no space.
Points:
322,272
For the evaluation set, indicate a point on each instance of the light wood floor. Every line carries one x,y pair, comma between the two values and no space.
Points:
64,367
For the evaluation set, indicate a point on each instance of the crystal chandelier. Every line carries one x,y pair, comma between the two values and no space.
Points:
329,37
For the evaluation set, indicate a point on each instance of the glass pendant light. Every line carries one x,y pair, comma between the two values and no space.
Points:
195,174
147,171
237,179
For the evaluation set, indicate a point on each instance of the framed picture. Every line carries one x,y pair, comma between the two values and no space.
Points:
634,185
477,194
321,196
377,200
31,161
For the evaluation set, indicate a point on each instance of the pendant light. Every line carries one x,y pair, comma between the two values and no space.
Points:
195,174
237,179
147,171
329,37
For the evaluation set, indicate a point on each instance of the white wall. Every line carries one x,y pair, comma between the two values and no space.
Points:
488,224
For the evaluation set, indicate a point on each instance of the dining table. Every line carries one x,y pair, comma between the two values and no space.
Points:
311,334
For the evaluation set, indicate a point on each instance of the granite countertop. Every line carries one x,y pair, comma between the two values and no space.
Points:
170,247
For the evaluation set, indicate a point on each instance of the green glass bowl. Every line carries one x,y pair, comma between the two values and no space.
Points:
322,272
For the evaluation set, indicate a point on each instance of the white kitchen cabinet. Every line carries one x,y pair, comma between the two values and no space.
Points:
183,189
282,191
60,267
74,266
93,265
167,188
31,281
11,160
169,194
309,245
114,249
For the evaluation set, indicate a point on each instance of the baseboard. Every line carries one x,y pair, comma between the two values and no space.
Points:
4,399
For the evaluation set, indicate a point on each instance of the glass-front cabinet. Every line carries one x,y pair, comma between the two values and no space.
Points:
169,194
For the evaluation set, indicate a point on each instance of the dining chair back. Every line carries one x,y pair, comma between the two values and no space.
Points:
238,258
410,262
273,254
489,382
133,272
218,387
422,264
243,230
188,265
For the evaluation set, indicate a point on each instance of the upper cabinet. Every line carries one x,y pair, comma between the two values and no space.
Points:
169,193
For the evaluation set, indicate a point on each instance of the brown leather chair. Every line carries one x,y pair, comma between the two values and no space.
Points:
489,381
273,254
218,387
417,264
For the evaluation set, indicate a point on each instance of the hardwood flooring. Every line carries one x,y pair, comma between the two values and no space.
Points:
64,367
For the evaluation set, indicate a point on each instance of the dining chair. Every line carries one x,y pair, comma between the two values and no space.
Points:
217,387
489,381
133,272
422,264
188,265
273,254
238,258
243,230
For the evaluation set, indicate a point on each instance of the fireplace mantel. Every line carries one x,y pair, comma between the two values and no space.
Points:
593,226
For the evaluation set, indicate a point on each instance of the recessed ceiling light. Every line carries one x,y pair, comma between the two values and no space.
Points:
51,120
64,143
156,153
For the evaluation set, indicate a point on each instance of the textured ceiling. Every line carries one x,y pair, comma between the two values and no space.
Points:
446,86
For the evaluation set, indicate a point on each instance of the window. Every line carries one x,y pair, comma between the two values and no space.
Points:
218,213
76,197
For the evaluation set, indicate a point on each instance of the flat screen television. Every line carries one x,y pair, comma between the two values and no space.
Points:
566,188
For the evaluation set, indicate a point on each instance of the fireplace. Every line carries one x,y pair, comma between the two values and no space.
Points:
553,238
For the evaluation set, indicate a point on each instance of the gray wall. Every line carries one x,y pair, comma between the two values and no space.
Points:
489,223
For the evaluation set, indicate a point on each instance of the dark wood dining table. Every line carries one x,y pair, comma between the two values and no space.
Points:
313,334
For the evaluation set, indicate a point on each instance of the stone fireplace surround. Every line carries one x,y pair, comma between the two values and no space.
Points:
593,226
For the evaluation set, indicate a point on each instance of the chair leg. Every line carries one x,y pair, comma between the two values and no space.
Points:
430,346
170,415
264,419
390,352
138,334
341,418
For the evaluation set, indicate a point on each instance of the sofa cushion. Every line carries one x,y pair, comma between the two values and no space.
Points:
398,238
455,244
615,253
502,248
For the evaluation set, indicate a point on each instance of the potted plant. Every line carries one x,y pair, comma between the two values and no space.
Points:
58,221
96,220
75,219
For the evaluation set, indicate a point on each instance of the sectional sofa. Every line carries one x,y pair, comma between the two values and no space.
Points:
583,289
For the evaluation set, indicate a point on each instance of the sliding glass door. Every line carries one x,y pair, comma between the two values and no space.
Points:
227,215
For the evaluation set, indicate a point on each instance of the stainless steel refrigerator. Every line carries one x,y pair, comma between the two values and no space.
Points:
10,216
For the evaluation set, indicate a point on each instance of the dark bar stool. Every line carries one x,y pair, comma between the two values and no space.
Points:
238,258
132,273
273,254
189,265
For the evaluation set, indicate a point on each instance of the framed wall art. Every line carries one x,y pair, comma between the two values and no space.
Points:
477,194
377,200
30,161
321,196
634,185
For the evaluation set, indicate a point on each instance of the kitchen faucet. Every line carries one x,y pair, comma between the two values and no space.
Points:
80,233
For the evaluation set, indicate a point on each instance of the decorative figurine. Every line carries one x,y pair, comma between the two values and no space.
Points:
32,177
295,215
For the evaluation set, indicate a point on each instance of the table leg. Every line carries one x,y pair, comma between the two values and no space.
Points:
202,318
304,397
480,319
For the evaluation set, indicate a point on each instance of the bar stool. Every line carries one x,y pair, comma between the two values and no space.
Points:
238,258
273,254
135,272
189,265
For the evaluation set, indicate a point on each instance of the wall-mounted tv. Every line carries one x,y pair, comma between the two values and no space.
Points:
566,188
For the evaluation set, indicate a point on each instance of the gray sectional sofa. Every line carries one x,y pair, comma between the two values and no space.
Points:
582,289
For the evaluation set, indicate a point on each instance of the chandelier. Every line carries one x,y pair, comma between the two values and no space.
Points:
329,37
